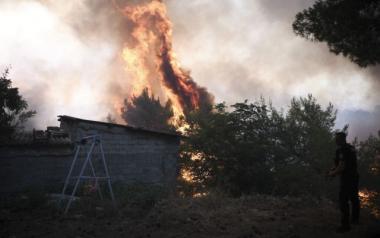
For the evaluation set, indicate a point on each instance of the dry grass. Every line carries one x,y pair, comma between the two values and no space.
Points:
210,216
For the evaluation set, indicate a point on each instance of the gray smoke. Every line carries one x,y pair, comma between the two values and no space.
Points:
65,56
245,49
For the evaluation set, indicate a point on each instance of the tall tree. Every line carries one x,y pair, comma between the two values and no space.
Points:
13,108
147,112
350,27
232,149
310,146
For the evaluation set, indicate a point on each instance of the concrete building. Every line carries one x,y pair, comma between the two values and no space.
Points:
41,159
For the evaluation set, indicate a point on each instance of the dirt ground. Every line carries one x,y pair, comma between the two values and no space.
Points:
209,216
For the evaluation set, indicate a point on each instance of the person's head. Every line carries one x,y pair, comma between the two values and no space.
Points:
340,138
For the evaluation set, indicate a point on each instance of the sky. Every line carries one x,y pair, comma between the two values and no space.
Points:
65,57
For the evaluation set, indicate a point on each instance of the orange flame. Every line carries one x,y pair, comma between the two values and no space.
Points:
368,200
151,62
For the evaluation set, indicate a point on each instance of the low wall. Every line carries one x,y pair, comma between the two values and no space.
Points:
26,169
132,157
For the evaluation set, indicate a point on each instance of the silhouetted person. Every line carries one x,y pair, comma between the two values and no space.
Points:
346,167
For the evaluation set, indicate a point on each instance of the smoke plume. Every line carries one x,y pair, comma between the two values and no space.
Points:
75,57
245,49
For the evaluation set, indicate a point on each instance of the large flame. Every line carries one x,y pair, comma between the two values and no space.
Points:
151,62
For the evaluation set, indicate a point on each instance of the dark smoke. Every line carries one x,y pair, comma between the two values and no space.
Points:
183,86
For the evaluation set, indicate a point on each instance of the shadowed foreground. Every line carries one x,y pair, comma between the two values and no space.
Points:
210,216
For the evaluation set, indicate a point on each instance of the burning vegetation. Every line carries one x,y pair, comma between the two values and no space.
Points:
150,60
370,199
267,163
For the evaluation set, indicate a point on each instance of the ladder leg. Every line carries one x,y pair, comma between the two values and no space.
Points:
79,178
69,175
96,179
107,174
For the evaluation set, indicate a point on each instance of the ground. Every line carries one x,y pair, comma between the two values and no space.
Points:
208,216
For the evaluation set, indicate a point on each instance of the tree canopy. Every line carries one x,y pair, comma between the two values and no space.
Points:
146,111
256,148
369,157
13,108
349,27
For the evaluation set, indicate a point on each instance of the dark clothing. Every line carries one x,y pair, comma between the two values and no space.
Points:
349,193
347,154
349,180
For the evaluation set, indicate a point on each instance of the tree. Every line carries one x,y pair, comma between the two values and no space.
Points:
350,27
13,108
310,146
255,148
147,112
369,169
369,162
231,148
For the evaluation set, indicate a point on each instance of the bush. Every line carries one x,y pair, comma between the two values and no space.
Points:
256,148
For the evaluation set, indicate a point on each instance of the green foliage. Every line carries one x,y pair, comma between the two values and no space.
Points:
369,162
369,169
309,140
350,27
13,113
256,148
147,112
135,201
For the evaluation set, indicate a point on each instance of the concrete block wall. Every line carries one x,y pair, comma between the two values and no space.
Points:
24,169
133,156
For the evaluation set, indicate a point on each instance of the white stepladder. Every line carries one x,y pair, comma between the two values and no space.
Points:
95,140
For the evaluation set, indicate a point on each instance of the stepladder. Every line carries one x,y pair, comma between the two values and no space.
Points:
89,160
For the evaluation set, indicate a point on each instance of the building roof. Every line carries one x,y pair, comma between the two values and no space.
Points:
53,136
128,127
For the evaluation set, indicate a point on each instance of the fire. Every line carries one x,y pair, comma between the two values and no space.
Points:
187,176
366,196
368,200
151,62
200,195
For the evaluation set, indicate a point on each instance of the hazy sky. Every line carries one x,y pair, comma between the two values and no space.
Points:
65,57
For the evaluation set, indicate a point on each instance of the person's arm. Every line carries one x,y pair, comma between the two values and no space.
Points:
338,169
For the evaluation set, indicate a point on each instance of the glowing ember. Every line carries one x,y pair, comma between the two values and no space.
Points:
199,195
187,176
368,200
364,197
